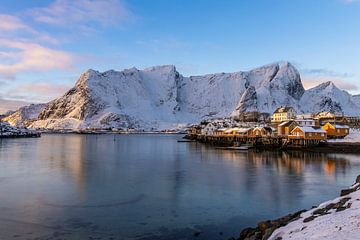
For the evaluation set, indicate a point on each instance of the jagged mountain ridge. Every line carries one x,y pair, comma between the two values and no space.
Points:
160,97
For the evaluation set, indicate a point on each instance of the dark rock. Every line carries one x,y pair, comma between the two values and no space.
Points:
309,219
262,226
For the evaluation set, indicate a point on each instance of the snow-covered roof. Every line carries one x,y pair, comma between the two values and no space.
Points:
221,129
243,130
285,123
311,130
341,126
284,109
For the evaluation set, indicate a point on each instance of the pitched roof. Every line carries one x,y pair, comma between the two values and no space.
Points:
287,123
283,109
311,130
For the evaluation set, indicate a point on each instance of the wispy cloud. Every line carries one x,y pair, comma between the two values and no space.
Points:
325,72
38,91
12,26
25,56
83,13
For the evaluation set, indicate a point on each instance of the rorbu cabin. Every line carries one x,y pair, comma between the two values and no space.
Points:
195,130
336,130
244,132
285,128
262,132
231,131
220,132
308,133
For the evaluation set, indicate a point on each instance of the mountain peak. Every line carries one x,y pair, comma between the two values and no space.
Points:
328,84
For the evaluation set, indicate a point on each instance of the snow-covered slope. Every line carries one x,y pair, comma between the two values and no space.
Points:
327,97
161,98
336,219
24,115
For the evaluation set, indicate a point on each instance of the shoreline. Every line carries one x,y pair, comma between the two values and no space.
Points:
297,222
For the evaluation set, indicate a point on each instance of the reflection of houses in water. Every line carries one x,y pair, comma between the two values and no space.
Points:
283,161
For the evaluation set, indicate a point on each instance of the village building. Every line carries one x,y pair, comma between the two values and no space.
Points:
231,131
282,114
285,128
195,130
220,131
262,132
244,132
308,133
308,122
336,130
209,129
325,117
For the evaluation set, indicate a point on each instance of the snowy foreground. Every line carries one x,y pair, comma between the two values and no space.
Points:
336,219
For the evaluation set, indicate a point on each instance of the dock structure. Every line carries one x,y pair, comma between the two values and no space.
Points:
257,141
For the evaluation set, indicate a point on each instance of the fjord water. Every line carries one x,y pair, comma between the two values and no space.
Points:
152,187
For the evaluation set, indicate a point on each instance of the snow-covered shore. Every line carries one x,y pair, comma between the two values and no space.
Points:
335,219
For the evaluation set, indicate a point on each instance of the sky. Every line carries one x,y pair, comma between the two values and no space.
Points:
46,45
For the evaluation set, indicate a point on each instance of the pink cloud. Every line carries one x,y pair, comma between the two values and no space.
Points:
32,57
48,89
13,24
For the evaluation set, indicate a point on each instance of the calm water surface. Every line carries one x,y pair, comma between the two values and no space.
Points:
152,187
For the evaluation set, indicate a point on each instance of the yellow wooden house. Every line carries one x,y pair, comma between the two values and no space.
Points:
336,130
308,133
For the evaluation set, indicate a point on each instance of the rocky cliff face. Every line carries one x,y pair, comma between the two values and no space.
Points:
160,97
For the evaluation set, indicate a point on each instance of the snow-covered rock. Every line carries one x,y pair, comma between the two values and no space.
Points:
24,115
160,98
6,131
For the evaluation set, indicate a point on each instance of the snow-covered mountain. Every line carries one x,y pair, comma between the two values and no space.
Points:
24,115
160,97
327,97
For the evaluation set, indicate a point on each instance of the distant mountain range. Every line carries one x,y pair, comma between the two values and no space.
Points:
160,97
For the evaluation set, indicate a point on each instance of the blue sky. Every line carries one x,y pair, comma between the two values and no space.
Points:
46,45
